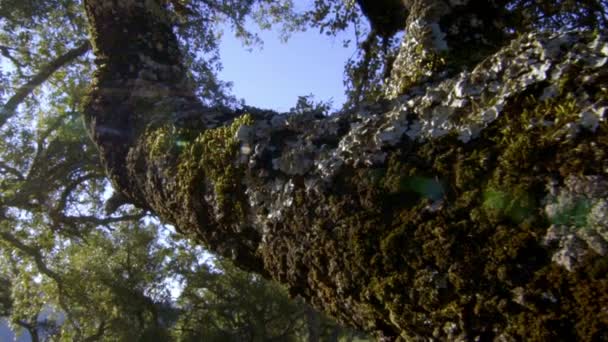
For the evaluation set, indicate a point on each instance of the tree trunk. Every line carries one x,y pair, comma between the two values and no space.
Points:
469,207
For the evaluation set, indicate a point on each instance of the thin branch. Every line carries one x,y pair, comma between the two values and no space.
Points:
33,252
43,268
9,169
39,156
52,127
97,220
8,110
65,194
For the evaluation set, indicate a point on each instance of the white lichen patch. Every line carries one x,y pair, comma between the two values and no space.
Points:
591,117
578,211
275,198
419,51
483,92
281,198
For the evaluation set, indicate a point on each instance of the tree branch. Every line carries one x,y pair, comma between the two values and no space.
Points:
10,106
420,217
35,253
32,252
60,206
99,221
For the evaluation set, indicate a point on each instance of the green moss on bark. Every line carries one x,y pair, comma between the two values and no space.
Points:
211,157
448,241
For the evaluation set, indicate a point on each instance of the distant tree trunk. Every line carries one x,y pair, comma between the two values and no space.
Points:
470,207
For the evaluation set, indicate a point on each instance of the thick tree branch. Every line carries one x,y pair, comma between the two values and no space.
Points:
449,212
8,109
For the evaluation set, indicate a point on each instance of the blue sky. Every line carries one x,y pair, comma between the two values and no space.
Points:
274,75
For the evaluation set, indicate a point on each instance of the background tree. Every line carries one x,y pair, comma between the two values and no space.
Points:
227,304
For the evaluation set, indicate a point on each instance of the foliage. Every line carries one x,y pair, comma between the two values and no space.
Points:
223,304
551,15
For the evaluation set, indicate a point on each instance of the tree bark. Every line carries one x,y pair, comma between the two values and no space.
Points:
471,206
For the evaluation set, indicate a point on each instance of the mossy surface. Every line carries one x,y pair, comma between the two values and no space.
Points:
211,157
165,140
445,239
429,63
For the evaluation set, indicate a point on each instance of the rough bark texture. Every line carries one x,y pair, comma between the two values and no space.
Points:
473,206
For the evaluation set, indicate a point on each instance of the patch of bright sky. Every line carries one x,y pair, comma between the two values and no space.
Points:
274,75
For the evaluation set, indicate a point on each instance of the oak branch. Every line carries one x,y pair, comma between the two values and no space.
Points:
471,206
